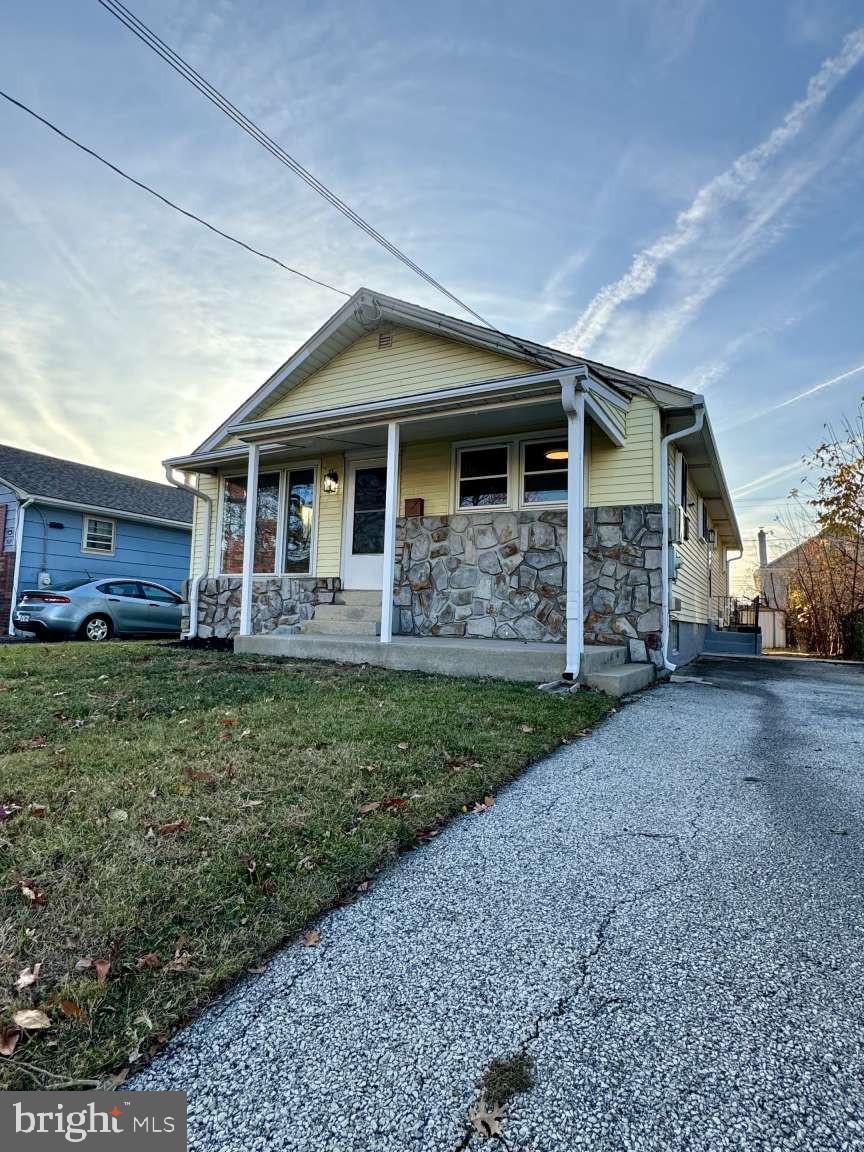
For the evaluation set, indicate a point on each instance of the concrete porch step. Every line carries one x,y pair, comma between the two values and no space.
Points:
348,612
620,680
328,626
358,596
598,657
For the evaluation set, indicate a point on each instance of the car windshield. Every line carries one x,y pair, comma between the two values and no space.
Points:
68,585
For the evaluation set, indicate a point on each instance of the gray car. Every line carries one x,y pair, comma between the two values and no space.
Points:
99,609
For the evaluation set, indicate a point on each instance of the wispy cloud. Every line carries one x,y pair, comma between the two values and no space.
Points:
789,400
731,188
769,478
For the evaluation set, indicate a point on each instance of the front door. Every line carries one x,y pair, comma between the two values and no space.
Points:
363,536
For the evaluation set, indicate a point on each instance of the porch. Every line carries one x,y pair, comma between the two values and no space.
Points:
605,667
449,531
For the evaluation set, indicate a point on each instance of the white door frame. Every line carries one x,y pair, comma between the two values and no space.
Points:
352,463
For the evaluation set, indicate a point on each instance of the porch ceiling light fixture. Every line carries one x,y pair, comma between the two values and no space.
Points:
557,454
331,481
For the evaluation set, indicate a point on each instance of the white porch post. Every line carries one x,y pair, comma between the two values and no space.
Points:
573,401
391,509
249,541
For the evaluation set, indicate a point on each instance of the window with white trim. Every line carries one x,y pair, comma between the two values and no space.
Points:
544,471
482,476
98,536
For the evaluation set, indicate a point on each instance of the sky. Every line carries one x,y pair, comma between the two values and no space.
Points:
670,186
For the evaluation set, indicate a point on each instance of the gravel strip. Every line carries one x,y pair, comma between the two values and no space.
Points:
668,917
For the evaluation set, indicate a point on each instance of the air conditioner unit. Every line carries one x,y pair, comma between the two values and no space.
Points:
679,525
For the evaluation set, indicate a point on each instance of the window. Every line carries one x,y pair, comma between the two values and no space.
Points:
703,519
234,523
97,536
299,516
160,595
129,588
544,472
682,481
481,476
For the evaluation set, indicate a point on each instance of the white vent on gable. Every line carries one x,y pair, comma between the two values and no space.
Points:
385,340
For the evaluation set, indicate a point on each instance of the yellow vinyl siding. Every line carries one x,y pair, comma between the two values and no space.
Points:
329,543
209,486
416,362
425,472
691,586
627,475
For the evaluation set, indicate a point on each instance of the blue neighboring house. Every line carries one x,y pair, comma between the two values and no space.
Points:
60,520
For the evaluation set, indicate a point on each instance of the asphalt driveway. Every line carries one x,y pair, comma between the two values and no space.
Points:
666,916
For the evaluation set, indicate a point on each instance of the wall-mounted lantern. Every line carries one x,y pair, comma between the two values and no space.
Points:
712,536
331,482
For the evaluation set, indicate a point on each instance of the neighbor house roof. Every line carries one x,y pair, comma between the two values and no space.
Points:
45,478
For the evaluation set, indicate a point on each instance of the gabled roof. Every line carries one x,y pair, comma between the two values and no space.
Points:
368,310
46,478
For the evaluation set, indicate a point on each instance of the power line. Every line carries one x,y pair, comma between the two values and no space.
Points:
183,68
165,200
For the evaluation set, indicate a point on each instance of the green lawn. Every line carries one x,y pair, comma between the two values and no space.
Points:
169,816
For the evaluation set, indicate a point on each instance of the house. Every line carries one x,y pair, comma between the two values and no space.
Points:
414,476
60,520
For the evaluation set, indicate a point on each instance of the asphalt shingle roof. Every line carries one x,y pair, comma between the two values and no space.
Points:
46,476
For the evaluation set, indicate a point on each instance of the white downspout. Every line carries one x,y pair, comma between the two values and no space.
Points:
245,628
729,560
573,403
391,511
195,585
696,426
19,541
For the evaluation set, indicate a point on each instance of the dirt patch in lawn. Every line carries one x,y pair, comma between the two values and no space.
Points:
169,816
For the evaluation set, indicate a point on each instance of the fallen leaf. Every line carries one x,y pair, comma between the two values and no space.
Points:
486,1120
9,1038
251,803
28,976
311,937
40,811
119,814
30,892
363,887
368,807
394,802
180,963
120,1077
73,1011
525,728
149,960
31,1019
228,721
103,967
7,811
84,963
403,747
172,828
257,969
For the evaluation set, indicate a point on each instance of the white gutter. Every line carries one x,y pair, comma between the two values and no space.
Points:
729,560
19,541
696,426
195,585
573,403
115,513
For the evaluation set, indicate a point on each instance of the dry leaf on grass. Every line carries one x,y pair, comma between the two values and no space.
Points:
151,960
118,814
484,804
84,963
31,1019
525,728
172,828
103,967
73,1011
486,1120
28,976
32,893
9,1038
7,811
180,963
40,811
393,802
403,747
370,806
311,937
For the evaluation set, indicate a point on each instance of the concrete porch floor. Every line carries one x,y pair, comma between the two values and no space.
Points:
603,666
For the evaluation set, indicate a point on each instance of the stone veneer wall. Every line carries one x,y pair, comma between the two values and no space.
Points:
282,602
622,578
503,575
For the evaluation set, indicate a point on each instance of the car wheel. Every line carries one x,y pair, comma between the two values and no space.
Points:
96,628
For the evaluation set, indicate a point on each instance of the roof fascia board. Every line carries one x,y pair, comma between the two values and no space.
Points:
404,405
599,417
116,513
